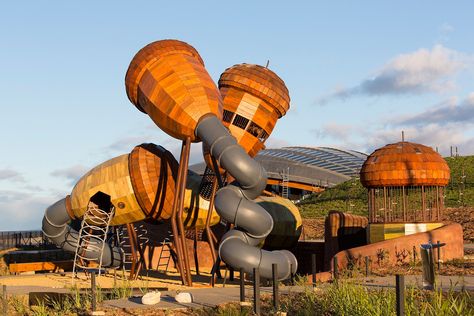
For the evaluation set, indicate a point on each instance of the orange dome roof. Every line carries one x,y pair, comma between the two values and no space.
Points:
259,81
404,164
149,54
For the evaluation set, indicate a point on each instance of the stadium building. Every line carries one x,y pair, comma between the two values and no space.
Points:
294,172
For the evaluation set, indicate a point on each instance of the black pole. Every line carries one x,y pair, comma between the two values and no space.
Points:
5,301
256,291
367,272
231,274
313,268
93,290
336,272
242,285
414,255
400,290
292,276
275,286
439,255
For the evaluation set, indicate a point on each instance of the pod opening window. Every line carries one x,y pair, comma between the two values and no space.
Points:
227,116
102,201
257,131
240,121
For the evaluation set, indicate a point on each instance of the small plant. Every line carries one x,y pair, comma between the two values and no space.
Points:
40,309
401,255
123,290
382,254
20,306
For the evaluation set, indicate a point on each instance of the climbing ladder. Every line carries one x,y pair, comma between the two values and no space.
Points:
285,176
165,255
92,237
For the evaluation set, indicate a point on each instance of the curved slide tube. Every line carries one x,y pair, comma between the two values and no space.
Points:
55,227
238,247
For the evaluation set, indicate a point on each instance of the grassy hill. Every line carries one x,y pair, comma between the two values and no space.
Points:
351,196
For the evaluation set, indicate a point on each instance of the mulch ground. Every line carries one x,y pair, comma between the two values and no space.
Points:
463,216
313,228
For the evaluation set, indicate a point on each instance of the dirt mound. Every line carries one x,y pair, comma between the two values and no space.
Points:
463,216
313,228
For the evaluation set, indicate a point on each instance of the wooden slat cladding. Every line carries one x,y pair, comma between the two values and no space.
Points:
404,164
256,96
153,172
112,178
168,81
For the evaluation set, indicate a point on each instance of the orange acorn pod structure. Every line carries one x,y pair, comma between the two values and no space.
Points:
140,185
167,80
254,98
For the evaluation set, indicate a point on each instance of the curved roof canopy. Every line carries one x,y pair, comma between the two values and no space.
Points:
311,166
404,164
318,166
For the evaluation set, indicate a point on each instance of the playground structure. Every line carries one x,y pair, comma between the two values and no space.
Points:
149,188
167,80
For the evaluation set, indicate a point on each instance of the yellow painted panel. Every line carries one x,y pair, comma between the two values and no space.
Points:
112,178
384,231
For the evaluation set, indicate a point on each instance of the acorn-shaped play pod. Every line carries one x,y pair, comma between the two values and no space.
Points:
167,80
138,185
254,98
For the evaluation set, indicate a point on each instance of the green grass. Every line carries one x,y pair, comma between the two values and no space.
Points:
346,297
351,196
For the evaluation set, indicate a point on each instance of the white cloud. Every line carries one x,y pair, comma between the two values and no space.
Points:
448,111
11,175
341,132
449,123
72,174
274,142
22,211
413,73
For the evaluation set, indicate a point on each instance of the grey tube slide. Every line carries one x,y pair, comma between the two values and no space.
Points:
238,247
56,228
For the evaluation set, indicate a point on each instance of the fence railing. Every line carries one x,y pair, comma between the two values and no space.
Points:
22,239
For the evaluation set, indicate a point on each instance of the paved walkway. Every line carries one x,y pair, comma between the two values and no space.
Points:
211,297
201,298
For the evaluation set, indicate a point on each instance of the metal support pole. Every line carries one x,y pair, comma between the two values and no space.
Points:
292,276
275,286
94,292
210,240
367,270
438,252
414,255
185,151
335,268
313,268
242,285
5,300
177,241
400,291
256,291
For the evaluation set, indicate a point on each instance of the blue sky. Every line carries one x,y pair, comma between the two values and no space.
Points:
357,73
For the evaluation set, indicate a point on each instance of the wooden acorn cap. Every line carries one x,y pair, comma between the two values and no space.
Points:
168,81
153,173
254,98
404,164
259,81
